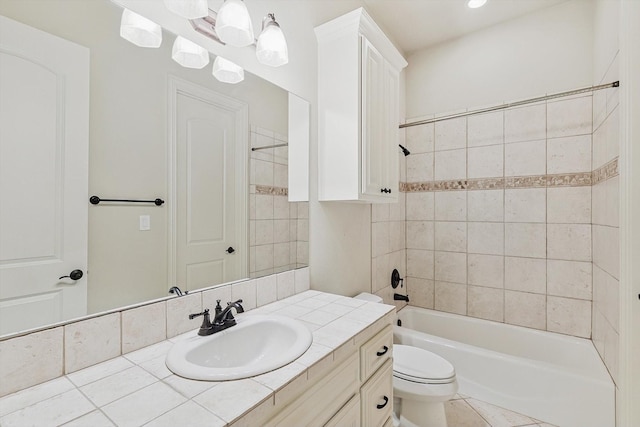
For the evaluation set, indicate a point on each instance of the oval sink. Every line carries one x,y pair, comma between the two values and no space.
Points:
257,344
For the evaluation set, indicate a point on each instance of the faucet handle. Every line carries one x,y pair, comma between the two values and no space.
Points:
205,313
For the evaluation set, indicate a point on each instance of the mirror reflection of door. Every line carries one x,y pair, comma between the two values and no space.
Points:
44,130
210,186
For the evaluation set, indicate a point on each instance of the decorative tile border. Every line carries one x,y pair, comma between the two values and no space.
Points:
534,181
273,191
605,172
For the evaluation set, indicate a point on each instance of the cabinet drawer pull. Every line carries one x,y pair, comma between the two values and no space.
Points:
382,405
383,352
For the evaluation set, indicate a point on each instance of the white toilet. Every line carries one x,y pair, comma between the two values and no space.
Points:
422,382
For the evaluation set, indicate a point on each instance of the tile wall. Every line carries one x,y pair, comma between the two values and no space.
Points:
498,216
605,233
278,230
41,356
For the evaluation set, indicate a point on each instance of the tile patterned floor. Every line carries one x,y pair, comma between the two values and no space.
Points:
464,411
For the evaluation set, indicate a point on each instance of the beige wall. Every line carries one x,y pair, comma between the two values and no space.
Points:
128,140
543,52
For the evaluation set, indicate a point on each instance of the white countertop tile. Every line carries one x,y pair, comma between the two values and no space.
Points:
33,395
231,399
99,371
117,385
189,414
51,412
92,419
144,405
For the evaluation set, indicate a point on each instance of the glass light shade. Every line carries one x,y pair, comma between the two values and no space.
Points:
188,54
233,24
474,4
226,71
272,47
189,9
139,30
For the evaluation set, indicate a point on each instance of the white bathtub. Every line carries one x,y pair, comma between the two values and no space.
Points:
552,377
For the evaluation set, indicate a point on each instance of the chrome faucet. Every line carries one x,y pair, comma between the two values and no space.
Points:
222,319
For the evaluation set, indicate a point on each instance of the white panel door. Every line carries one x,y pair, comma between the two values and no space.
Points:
210,187
44,119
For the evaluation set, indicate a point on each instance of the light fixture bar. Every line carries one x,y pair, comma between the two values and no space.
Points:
207,26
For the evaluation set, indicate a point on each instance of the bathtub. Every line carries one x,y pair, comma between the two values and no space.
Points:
554,378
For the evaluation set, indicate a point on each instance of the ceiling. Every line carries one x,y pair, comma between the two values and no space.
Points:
418,24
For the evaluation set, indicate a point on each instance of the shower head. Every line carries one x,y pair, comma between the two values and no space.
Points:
404,150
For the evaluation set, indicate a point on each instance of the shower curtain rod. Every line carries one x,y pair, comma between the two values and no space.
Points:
511,104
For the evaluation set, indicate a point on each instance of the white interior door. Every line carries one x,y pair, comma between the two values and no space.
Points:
44,131
210,133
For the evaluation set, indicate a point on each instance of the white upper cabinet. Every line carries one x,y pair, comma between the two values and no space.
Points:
358,107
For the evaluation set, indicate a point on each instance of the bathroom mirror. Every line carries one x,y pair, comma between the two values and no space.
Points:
133,248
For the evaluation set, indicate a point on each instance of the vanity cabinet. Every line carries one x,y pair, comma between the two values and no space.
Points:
357,390
358,110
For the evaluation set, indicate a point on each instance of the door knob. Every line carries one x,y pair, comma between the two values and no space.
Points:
74,275
230,250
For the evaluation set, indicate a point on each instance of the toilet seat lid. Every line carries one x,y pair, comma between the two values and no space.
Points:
422,366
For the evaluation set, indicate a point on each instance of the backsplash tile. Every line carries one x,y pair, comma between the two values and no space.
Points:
91,341
144,326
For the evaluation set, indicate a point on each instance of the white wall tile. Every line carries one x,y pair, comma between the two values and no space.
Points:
420,235
451,297
280,176
451,164
281,231
91,341
485,129
397,240
451,205
380,241
285,283
222,293
450,236
485,303
17,369
420,263
451,134
569,241
486,162
486,270
420,206
606,249
421,292
569,117
525,205
178,310
569,155
569,279
246,291
419,139
525,309
525,274
261,172
380,272
420,167
302,281
525,240
525,124
569,205
263,257
569,316
525,158
451,267
485,238
144,326
485,205
264,232
379,212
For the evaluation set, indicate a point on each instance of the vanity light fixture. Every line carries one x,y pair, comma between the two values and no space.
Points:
190,9
233,24
227,71
271,48
474,4
140,30
188,54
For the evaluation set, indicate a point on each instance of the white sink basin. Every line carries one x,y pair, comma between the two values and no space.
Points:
257,344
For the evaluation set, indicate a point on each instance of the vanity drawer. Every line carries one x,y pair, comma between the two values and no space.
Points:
348,416
375,352
376,397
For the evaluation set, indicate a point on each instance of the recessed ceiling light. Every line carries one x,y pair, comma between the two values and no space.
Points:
474,4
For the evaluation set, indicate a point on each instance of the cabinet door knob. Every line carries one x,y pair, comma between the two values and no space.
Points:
383,352
382,405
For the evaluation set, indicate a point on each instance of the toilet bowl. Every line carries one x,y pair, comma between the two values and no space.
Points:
422,383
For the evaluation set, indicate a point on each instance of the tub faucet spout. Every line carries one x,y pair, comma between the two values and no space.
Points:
398,297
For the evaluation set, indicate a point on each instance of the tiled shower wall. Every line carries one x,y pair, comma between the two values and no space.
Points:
498,216
605,234
278,229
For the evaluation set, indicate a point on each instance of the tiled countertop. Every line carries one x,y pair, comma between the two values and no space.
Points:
137,389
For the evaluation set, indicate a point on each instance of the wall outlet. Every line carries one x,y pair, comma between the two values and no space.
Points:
145,222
